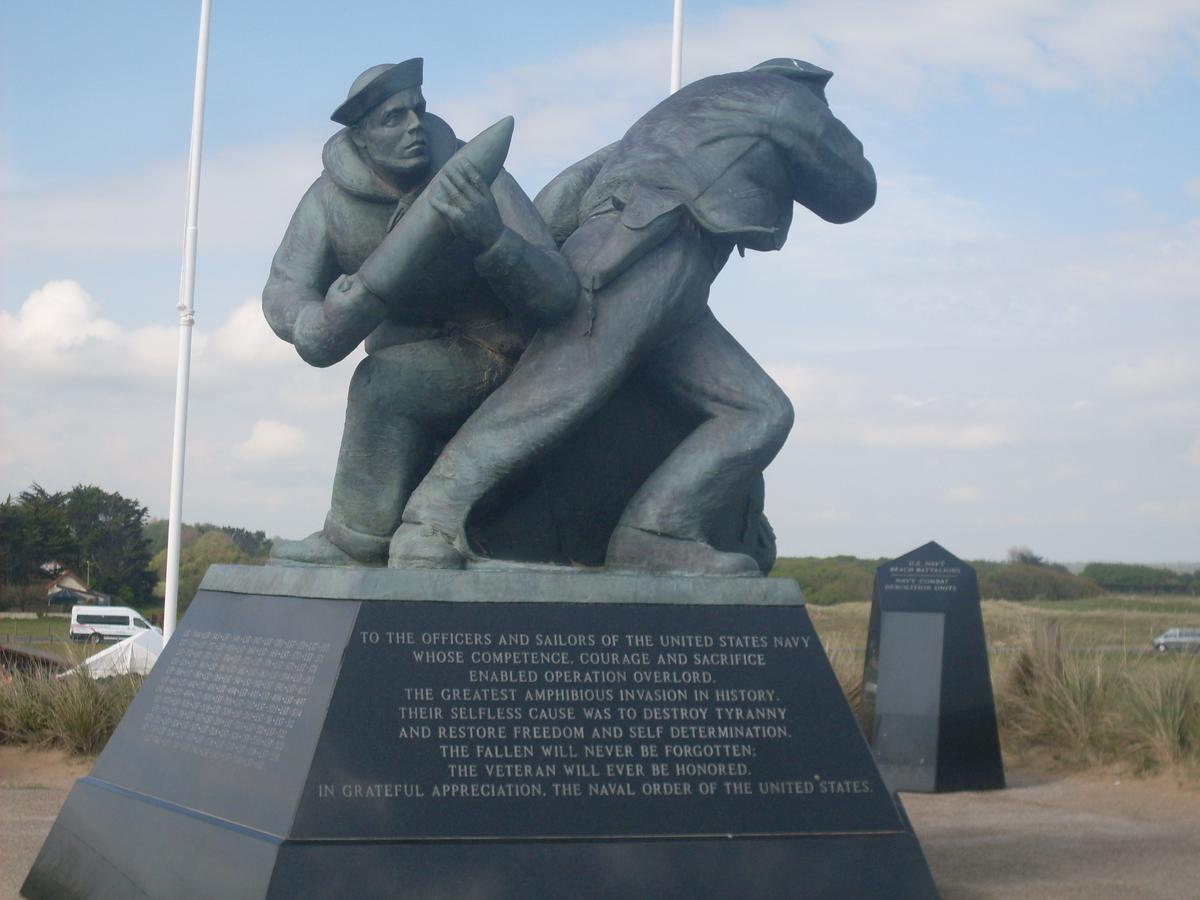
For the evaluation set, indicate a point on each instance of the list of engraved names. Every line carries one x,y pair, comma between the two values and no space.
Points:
590,714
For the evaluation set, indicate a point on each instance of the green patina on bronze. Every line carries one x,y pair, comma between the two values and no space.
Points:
545,381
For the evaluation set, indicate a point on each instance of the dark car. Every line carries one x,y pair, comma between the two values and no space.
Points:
1178,639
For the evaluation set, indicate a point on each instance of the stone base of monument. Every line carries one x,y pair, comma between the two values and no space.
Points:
365,733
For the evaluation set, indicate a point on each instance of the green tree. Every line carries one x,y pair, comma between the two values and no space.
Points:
156,535
194,559
253,543
1024,556
107,532
33,531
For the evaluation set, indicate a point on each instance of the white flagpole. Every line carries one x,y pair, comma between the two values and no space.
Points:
677,47
187,289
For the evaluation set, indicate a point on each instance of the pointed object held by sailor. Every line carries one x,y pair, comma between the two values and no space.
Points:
421,234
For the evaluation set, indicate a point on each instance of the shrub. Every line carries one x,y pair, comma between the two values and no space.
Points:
847,579
827,581
1131,579
23,597
1020,581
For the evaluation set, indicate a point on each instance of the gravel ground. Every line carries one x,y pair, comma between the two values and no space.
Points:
33,785
1046,836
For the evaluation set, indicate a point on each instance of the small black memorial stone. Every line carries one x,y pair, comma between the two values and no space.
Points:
370,732
928,709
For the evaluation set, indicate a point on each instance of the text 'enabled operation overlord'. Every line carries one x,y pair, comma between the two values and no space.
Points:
710,709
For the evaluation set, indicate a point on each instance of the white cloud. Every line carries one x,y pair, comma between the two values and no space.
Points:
849,408
911,53
1031,44
957,264
818,387
59,332
912,402
964,494
938,435
246,198
271,440
245,339
1192,454
84,399
928,270
1131,268
931,271
1156,372
9,181
57,317
1177,510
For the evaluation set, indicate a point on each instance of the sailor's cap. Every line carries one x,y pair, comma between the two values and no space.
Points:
375,85
795,68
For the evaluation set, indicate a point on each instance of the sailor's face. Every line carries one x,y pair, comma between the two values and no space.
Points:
392,136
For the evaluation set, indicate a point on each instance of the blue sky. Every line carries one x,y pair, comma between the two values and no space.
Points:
1002,352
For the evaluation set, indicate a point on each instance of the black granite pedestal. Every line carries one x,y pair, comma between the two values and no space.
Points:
369,733
928,708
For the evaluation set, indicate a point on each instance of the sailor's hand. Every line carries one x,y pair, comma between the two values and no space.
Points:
351,307
464,200
326,332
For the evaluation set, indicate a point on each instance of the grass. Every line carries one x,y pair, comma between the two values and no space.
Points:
1166,712
1085,707
48,635
1074,681
1116,621
76,712
48,628
1057,700
1135,604
848,667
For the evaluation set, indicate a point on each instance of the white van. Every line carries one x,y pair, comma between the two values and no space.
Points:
106,623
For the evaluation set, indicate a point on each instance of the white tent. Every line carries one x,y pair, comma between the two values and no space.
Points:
133,656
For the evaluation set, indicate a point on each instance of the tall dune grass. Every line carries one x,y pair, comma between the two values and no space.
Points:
848,667
1085,707
77,713
1165,714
